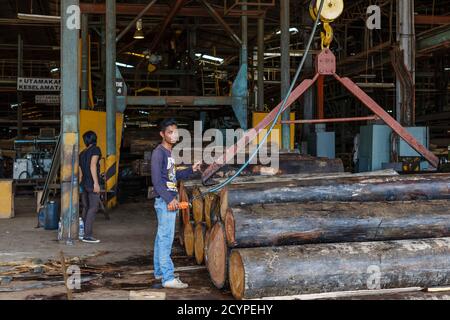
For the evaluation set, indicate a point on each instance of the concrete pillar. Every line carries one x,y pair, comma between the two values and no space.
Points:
406,40
111,161
19,93
70,104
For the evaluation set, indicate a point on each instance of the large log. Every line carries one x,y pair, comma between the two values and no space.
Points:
216,255
294,223
395,188
185,213
199,242
316,268
300,176
320,165
211,209
188,238
197,205
282,163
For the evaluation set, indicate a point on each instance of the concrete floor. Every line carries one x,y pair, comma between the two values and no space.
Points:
130,232
126,248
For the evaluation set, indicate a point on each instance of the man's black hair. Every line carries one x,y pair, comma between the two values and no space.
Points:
166,123
90,138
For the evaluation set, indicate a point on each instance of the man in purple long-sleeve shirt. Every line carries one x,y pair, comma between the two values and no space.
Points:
164,179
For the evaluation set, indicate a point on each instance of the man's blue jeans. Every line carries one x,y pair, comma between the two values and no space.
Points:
162,263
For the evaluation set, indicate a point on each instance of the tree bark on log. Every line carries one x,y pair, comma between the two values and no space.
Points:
360,189
316,268
302,176
294,223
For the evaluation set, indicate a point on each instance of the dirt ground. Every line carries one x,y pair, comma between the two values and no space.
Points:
30,265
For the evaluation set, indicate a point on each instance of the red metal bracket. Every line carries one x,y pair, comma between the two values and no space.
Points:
331,120
251,134
325,66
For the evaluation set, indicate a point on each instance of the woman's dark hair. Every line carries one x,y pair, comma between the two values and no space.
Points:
90,138
166,123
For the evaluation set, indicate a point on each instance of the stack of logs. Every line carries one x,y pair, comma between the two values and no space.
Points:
302,234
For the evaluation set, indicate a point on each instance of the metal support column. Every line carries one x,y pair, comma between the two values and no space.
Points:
84,61
309,96
260,102
285,69
70,102
111,163
240,84
19,93
406,39
103,56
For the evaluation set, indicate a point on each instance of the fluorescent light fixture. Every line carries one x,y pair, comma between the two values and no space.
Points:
277,54
54,70
208,57
291,30
447,69
119,64
140,55
38,18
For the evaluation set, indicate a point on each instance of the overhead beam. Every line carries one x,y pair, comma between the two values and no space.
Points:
166,23
179,100
218,18
160,29
433,20
134,9
439,39
132,23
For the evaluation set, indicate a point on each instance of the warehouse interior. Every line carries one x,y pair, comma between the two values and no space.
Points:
357,93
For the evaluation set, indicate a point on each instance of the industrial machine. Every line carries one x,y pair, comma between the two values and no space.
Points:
380,148
34,158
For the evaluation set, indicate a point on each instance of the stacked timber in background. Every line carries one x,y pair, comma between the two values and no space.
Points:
142,167
302,234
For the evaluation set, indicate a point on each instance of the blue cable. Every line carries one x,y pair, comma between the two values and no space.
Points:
297,74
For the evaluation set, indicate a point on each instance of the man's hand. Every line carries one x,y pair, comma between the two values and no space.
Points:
196,166
96,188
173,205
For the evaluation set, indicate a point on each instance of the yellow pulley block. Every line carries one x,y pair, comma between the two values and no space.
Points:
331,10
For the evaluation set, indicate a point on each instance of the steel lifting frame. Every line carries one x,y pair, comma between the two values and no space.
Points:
325,66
